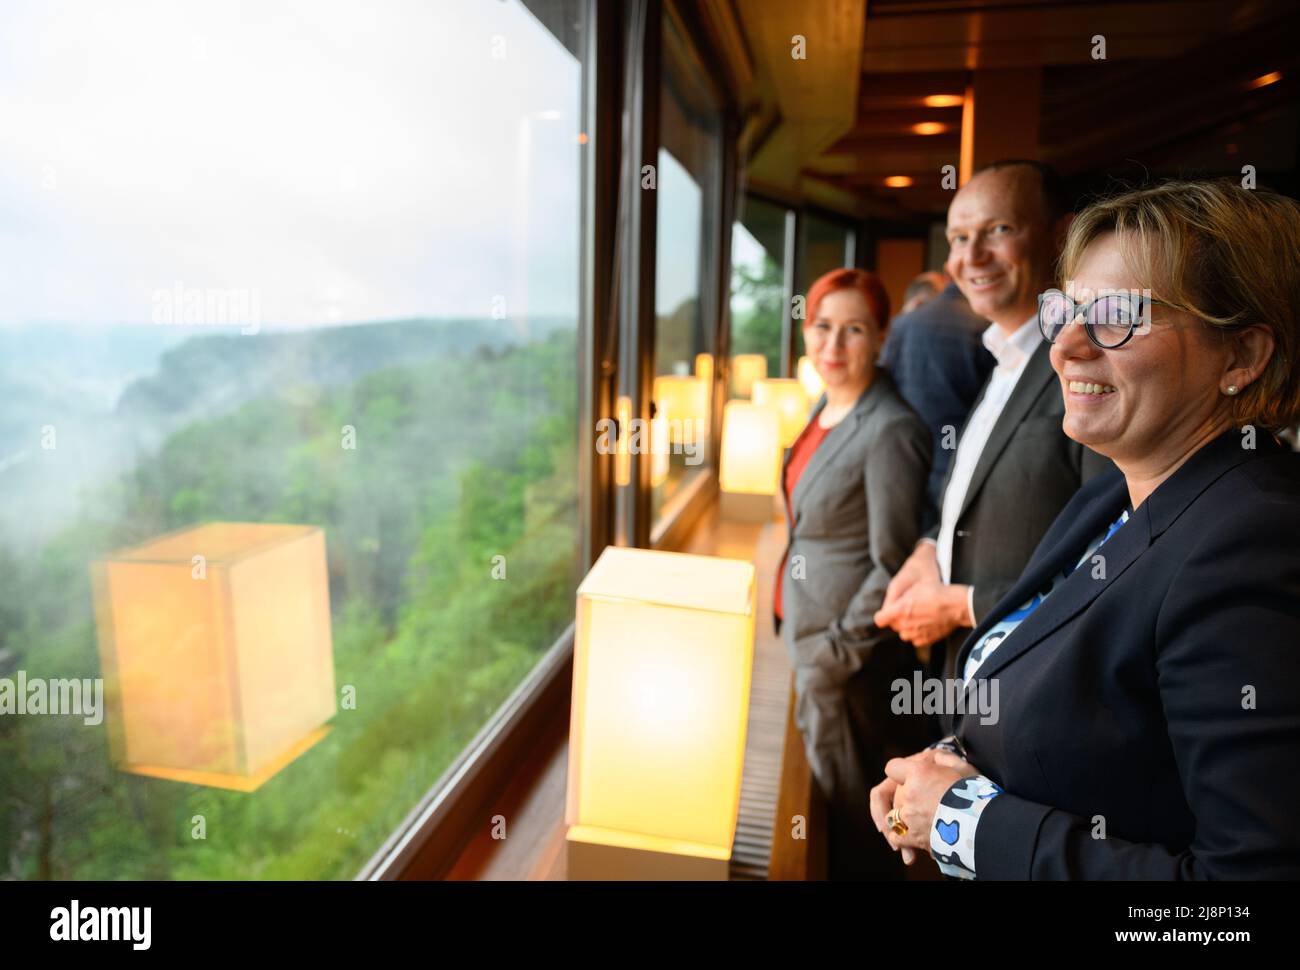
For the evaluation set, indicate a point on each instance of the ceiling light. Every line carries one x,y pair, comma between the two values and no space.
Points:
1264,80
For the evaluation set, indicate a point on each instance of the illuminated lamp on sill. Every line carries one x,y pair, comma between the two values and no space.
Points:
812,382
663,653
745,369
786,396
749,473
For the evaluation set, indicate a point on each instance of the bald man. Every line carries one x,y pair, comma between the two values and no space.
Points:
1014,469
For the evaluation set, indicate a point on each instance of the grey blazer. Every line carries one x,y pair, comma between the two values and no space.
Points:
1025,475
854,518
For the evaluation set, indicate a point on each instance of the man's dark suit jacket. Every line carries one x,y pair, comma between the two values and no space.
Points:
939,363
1025,475
1158,693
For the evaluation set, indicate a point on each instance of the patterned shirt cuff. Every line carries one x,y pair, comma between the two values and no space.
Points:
952,839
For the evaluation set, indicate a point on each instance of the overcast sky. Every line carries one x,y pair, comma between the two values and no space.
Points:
349,160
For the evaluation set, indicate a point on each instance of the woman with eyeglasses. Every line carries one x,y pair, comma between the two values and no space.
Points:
1148,659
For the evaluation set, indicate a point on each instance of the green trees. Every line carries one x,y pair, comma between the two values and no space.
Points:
452,543
758,331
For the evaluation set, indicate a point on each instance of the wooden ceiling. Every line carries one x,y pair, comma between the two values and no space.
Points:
1173,95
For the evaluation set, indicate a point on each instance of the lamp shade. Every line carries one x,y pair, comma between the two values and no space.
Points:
787,398
812,382
745,369
663,653
751,449
686,399
216,651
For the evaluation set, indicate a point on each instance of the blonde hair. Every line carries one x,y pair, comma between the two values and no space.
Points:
1225,254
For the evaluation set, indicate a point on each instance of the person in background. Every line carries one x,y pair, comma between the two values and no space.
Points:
854,485
939,363
1147,658
1014,468
924,288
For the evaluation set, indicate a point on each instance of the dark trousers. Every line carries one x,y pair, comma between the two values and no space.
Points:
849,733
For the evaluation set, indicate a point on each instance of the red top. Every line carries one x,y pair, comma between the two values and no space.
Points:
801,453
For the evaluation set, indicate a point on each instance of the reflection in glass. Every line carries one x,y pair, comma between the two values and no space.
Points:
216,652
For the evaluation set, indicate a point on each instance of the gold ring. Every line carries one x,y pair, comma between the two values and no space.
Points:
896,824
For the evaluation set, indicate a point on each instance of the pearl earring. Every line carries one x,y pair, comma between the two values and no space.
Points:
1232,389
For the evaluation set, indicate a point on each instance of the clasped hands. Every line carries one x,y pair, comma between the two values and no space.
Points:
919,604
913,787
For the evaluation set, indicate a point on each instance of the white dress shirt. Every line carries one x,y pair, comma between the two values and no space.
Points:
1012,353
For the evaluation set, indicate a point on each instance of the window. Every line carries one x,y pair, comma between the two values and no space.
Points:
825,248
308,264
757,286
688,189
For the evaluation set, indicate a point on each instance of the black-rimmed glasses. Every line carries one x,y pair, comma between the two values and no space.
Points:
1110,320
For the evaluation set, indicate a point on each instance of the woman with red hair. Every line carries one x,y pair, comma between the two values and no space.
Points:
854,484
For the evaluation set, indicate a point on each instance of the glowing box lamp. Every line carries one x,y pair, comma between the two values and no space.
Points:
812,382
745,369
785,396
750,471
216,651
663,652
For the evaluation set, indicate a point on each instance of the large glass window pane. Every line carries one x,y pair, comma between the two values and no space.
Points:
757,286
688,192
287,356
824,248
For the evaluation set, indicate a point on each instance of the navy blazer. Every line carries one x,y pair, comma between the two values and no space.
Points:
937,356
1155,694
